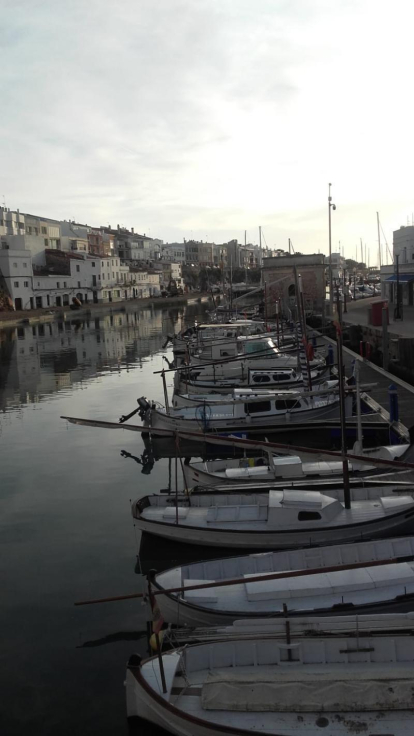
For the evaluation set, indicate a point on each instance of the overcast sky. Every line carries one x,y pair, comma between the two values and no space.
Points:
203,118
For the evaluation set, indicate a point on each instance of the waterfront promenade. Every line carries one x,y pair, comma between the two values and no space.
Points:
358,314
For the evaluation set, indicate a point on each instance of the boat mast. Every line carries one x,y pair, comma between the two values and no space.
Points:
342,414
379,241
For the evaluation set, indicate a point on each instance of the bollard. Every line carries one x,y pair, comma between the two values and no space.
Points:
330,356
314,341
393,402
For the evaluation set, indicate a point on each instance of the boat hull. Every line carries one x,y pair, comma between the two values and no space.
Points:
400,523
179,612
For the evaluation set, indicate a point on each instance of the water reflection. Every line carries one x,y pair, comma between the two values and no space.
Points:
39,360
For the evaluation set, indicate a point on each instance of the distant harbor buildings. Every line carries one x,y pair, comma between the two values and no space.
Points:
48,263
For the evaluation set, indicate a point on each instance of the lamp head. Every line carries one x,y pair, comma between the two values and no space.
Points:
334,206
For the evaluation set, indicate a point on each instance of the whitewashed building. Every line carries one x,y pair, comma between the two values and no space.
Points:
16,277
173,252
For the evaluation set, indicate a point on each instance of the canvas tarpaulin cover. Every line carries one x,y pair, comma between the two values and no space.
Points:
374,687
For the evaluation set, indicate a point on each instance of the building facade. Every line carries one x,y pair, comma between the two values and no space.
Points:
279,277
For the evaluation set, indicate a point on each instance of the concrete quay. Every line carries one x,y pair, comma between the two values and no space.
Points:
358,314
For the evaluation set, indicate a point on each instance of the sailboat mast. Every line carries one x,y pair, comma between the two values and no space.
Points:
379,241
342,407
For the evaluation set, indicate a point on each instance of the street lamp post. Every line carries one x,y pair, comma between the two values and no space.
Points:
330,251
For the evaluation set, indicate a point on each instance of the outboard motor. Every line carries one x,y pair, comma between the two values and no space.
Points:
144,405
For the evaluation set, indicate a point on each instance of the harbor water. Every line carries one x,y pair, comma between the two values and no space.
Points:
66,529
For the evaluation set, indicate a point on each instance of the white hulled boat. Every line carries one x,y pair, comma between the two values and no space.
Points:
338,686
273,520
256,414
273,379
245,394
363,590
233,471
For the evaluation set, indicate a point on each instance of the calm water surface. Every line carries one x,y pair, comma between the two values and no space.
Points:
66,529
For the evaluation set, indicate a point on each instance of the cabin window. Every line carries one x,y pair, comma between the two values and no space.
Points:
309,516
257,407
256,347
281,376
292,404
283,404
261,379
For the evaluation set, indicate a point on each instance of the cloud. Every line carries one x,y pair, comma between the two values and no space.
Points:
208,115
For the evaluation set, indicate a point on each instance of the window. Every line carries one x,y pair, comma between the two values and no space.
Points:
99,276
256,347
103,277
292,404
112,263
36,231
281,376
113,275
93,264
78,268
15,265
44,230
257,407
58,284
261,379
46,242
26,283
107,263
118,293
79,284
64,284
309,516
24,265
16,284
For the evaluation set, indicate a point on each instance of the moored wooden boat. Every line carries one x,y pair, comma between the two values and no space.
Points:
280,468
274,520
252,415
338,686
362,590
246,394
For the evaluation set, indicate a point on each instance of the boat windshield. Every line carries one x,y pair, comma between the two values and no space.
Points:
259,346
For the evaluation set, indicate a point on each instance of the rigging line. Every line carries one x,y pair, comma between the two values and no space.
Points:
263,236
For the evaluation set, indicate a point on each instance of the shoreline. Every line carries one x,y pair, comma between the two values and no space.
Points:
34,316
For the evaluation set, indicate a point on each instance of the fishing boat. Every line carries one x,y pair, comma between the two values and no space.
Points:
278,519
244,394
282,468
338,686
257,353
249,415
321,591
204,334
186,381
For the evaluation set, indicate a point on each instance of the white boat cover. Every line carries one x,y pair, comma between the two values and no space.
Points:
306,689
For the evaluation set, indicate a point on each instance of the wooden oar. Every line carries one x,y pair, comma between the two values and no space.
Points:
253,579
236,442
